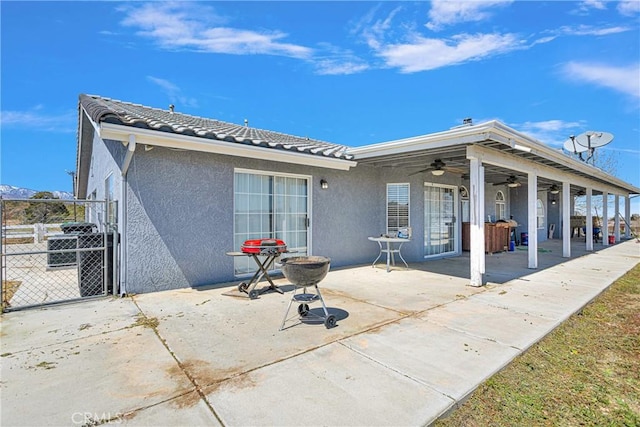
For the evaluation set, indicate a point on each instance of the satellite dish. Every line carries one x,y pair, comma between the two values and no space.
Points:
572,146
592,139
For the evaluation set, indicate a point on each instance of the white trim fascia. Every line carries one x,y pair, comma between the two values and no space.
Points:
186,142
498,158
542,150
492,130
460,136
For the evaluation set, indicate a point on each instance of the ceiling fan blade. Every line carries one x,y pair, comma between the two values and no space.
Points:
458,171
420,171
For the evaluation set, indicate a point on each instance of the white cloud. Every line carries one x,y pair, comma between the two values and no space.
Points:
427,53
445,13
625,80
550,132
186,25
629,8
35,120
173,92
587,30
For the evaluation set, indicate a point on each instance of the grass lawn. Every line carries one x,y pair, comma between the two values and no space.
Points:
585,373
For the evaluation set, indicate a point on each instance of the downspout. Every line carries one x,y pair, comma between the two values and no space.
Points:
131,148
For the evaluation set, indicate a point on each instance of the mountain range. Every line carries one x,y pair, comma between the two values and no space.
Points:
11,192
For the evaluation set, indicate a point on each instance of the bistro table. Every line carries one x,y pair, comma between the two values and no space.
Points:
389,249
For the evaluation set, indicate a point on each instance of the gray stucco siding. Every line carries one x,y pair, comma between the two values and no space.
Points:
180,216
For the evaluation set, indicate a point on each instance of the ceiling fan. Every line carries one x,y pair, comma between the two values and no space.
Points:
512,182
438,168
554,189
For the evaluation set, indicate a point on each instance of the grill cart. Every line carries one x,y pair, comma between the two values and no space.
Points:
270,249
306,272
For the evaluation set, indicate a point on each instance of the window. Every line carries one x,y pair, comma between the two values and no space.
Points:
539,214
397,207
500,206
269,206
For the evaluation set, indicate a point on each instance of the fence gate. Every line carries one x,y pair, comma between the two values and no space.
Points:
56,251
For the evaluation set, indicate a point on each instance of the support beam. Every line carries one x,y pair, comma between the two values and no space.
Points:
566,219
627,216
532,228
476,226
616,221
605,216
589,225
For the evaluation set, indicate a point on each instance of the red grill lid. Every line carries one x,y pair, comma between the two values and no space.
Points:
256,246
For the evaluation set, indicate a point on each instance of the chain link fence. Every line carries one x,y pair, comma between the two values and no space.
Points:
55,251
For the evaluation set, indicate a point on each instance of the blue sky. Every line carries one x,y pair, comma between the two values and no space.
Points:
351,73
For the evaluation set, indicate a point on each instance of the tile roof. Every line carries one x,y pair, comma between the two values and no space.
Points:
105,110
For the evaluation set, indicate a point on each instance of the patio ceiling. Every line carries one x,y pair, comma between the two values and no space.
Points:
454,154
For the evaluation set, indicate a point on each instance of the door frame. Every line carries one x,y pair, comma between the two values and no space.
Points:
456,229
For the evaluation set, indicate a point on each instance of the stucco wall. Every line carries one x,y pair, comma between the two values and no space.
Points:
180,216
179,221
520,213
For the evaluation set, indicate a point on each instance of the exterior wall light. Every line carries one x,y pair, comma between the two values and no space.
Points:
324,184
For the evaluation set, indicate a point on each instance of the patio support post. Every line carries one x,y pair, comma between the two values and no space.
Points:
566,219
627,216
605,220
589,225
532,227
616,218
476,231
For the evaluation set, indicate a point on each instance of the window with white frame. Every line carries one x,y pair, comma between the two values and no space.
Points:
539,214
501,207
397,207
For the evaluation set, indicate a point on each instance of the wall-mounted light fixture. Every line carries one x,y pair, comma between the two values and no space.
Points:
324,184
553,201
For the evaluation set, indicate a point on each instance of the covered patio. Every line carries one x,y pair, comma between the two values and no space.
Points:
419,337
492,154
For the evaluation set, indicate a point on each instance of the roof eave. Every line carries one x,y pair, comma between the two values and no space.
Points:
186,142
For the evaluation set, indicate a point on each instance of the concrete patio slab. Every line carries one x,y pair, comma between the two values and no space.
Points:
448,361
329,386
104,375
215,337
30,329
188,409
483,320
408,346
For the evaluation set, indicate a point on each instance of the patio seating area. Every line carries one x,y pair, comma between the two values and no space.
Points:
408,346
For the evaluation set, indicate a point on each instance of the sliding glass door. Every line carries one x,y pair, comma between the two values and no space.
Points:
270,206
440,213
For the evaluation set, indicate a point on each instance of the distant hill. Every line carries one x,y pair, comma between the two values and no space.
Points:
11,192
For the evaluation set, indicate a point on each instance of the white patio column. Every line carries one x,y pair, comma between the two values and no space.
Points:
532,228
589,225
605,218
616,218
566,219
476,225
627,216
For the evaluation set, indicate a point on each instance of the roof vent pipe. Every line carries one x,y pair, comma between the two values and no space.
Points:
171,108
246,122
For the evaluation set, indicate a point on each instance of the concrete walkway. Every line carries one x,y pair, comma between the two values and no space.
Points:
409,345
